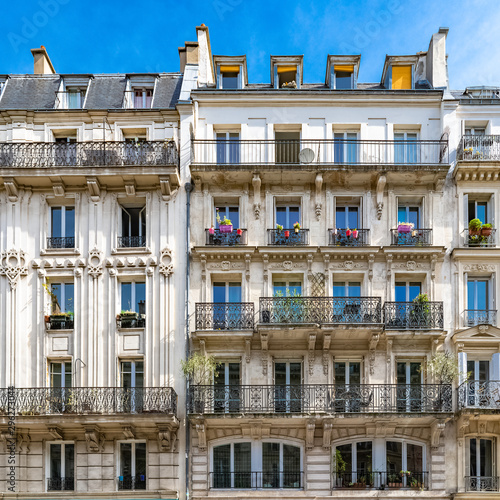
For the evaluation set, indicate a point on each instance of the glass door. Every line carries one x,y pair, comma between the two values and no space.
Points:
227,388
478,301
405,312
345,147
405,147
61,376
409,391
228,148
132,383
348,308
288,386
347,386
227,311
482,465
478,388
288,305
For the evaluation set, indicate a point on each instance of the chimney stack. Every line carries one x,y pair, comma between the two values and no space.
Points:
188,54
42,63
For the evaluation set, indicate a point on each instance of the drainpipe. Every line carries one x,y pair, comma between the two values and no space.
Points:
188,187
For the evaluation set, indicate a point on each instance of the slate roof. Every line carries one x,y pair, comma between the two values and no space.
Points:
38,92
30,92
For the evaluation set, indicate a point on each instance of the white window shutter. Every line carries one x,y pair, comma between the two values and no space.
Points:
466,211
462,367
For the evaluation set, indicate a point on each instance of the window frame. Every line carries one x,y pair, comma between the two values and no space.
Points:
62,304
133,464
220,76
144,96
133,281
63,220
48,462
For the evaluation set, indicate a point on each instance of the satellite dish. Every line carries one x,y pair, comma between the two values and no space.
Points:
306,155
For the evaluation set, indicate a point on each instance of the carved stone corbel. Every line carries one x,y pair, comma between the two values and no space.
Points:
433,266
311,348
437,429
130,187
310,428
327,339
265,262
24,440
327,433
94,189
202,347
11,189
373,345
319,184
256,183
248,348
371,261
167,438
128,431
58,187
463,427
56,432
94,439
202,434
264,354
248,259
381,181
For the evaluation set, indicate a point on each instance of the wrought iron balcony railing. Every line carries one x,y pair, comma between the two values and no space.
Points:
413,316
380,480
60,322
483,395
60,483
90,400
354,398
349,237
252,480
321,310
131,320
313,152
482,483
217,238
225,316
137,482
61,242
288,237
413,238
88,154
131,241
479,148
474,317
488,239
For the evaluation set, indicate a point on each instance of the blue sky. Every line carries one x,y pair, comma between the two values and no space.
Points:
130,36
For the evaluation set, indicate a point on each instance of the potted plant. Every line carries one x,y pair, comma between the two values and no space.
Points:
287,233
296,227
404,472
199,370
128,318
475,227
355,234
225,225
289,85
239,231
348,232
486,229
392,479
340,466
420,311
405,227
279,228
211,230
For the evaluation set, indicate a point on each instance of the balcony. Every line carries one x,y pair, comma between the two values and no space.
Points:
413,316
61,321
308,154
88,154
477,148
130,320
256,480
89,400
474,317
225,316
215,237
288,237
137,482
482,483
380,480
348,237
331,399
60,483
321,310
413,238
61,242
479,395
131,241
479,240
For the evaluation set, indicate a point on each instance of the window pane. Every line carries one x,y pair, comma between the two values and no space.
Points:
242,465
415,289
69,303
352,148
402,214
280,373
55,461
294,288
472,210
413,216
234,216
55,375
340,218
482,211
400,289
482,295
343,80
279,288
139,374
127,297
354,373
234,373
295,373
353,218
340,374
415,373
345,451
291,466
473,457
70,222
126,373
234,292
293,216
230,80
339,289
471,294
401,373
484,371
56,222
56,297
364,459
354,289
140,458
69,461
67,375
338,147
485,449
414,458
270,465
221,148
281,217
394,457
219,290
140,297
125,459
222,466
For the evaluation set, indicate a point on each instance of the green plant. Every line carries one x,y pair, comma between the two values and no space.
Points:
279,227
341,464
475,225
487,226
296,225
224,222
444,365
405,472
200,369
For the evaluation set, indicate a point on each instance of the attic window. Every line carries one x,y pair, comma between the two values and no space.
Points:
75,97
229,76
401,77
143,97
343,76
287,76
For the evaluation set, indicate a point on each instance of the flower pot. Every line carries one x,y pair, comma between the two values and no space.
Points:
474,232
348,233
486,232
223,228
47,318
403,228
297,229
239,232
211,231
287,234
355,234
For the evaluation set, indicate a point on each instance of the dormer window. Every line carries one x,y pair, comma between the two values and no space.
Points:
286,77
401,77
229,76
75,97
143,97
343,75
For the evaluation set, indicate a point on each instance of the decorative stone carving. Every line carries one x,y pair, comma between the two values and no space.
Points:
437,429
481,268
11,189
381,181
94,189
13,265
318,206
94,439
371,356
56,432
128,432
312,345
256,182
248,347
95,263
310,428
327,433
202,435
326,350
264,355
167,438
23,440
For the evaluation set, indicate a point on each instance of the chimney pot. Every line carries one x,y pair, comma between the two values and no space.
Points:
42,63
